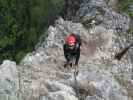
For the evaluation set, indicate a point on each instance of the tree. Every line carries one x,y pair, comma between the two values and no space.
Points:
22,22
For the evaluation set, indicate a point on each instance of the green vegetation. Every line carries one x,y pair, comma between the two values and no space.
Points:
123,6
22,22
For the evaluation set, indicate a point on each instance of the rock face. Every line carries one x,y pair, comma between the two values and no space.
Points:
71,6
103,14
130,7
41,75
95,79
99,85
113,3
9,82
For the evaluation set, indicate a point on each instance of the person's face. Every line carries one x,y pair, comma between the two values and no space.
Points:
71,47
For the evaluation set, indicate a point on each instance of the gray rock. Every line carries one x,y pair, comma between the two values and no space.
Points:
93,98
130,7
99,11
62,96
8,81
71,6
13,98
3,96
100,85
113,3
41,75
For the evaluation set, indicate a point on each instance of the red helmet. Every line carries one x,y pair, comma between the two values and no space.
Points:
71,40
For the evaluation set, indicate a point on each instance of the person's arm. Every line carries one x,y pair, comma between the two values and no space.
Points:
78,44
66,53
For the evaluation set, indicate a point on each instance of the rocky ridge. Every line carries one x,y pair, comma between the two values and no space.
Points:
41,75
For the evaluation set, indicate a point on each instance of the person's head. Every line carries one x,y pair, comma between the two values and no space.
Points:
71,41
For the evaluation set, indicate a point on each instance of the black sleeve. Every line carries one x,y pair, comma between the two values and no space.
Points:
77,58
66,53
64,48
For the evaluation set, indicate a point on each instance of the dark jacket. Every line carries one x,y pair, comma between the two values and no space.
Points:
73,53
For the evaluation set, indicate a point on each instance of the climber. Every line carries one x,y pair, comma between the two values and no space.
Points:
72,50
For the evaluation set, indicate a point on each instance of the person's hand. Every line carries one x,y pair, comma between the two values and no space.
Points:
66,64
